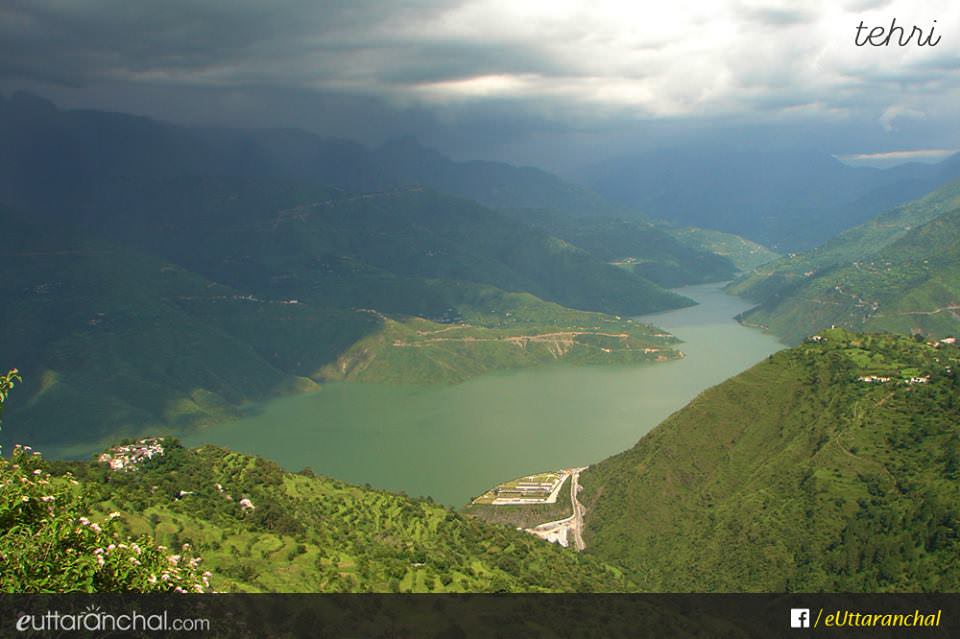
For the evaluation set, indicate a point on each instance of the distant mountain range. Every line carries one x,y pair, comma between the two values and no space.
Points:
787,200
49,154
898,272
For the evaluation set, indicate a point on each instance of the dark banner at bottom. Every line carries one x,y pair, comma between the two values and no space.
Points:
506,616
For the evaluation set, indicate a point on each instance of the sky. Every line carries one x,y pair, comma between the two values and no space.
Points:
556,83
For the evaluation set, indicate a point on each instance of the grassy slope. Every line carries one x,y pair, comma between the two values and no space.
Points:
525,515
745,254
315,534
795,476
911,285
500,330
850,245
637,245
879,268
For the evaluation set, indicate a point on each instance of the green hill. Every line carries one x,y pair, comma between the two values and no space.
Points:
305,533
196,270
637,246
68,163
116,342
745,254
898,272
796,475
282,234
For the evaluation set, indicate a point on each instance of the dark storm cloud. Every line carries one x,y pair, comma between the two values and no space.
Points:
82,42
477,75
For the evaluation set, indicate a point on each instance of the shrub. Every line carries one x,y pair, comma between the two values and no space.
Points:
48,545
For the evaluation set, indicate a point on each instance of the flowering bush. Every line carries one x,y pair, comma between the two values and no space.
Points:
48,545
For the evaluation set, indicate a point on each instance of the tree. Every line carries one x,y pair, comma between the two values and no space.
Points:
6,385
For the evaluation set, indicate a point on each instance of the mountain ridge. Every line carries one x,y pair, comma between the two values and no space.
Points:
896,272
829,467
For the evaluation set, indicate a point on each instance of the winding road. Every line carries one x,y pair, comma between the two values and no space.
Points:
562,530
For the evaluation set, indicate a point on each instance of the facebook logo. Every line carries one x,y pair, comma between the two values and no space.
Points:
799,617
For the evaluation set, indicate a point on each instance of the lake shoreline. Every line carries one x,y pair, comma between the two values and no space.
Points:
454,442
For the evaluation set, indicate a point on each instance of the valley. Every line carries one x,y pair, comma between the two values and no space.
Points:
897,272
318,362
454,442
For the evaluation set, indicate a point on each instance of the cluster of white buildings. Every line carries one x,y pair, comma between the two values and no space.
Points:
874,379
128,456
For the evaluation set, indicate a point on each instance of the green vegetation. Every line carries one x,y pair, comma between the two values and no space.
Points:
897,273
786,199
637,246
97,526
47,544
312,242
7,382
415,350
166,277
526,515
745,254
123,343
259,528
796,475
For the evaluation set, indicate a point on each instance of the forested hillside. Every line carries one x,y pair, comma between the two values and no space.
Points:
258,528
163,277
832,466
897,272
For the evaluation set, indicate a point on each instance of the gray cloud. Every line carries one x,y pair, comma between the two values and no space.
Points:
776,16
489,76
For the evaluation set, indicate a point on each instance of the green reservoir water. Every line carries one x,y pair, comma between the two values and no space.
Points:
454,442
